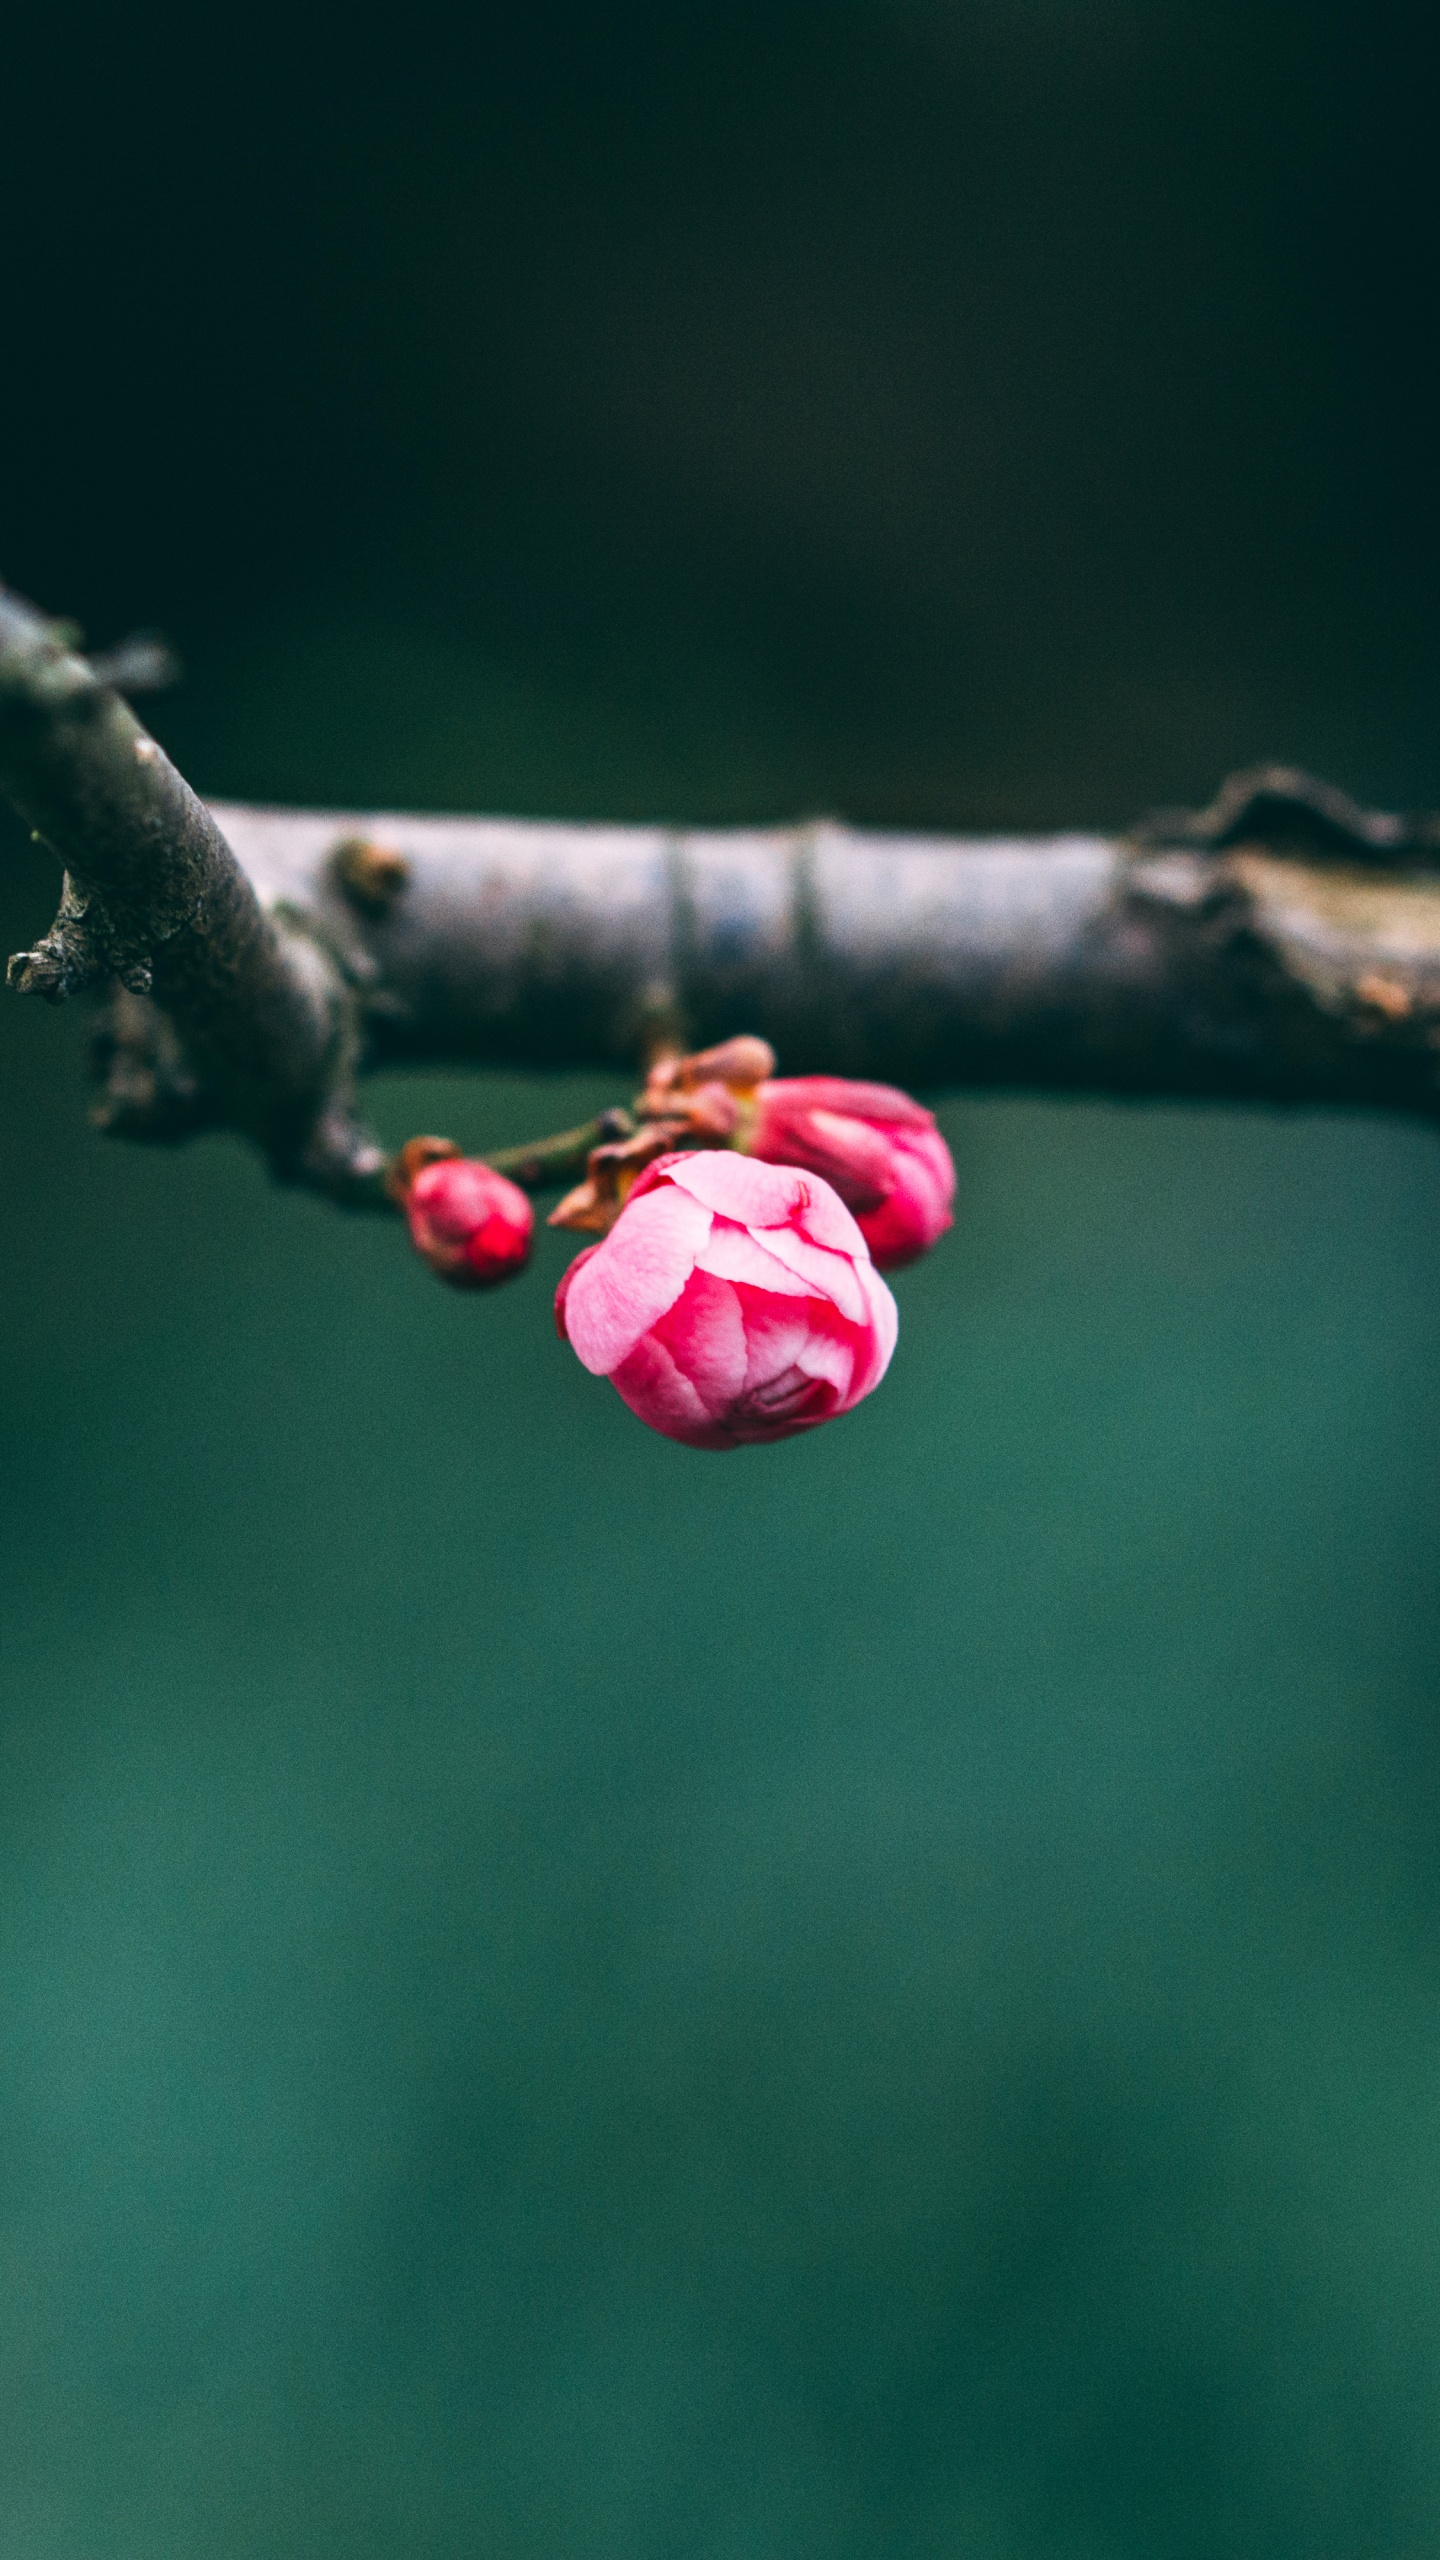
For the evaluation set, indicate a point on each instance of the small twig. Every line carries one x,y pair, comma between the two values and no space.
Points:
548,1163
145,663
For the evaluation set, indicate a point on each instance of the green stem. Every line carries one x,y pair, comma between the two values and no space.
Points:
548,1162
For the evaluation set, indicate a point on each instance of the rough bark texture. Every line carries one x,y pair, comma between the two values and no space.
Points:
248,1023
1271,949
1282,946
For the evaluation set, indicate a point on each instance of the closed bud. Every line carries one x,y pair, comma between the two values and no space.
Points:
470,1224
878,1149
730,1302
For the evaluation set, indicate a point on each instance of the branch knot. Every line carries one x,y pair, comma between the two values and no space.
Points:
83,948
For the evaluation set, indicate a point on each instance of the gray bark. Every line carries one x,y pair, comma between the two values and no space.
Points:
229,1014
1283,946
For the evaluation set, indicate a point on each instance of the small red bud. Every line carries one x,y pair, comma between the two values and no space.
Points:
470,1224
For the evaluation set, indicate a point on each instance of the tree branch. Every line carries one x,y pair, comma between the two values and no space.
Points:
1283,946
254,1027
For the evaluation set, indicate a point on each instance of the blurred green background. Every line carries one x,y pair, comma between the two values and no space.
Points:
878,1997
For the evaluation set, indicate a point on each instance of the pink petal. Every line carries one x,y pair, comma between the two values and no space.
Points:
791,1402
917,1211
567,1279
883,1104
831,1357
733,1253
781,1338
930,1164
656,1390
634,1276
851,1156
739,1187
826,1221
934,1146
881,1334
705,1338
828,1275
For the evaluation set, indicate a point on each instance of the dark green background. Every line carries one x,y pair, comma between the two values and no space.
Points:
877,1997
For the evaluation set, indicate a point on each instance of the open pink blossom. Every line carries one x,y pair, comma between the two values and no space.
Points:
731,1301
878,1149
468,1222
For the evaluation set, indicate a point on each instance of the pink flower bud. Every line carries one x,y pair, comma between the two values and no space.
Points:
468,1222
731,1301
878,1149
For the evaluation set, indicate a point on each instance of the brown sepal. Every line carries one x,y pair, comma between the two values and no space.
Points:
412,1160
739,1064
594,1205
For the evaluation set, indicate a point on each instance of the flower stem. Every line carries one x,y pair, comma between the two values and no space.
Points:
546,1163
